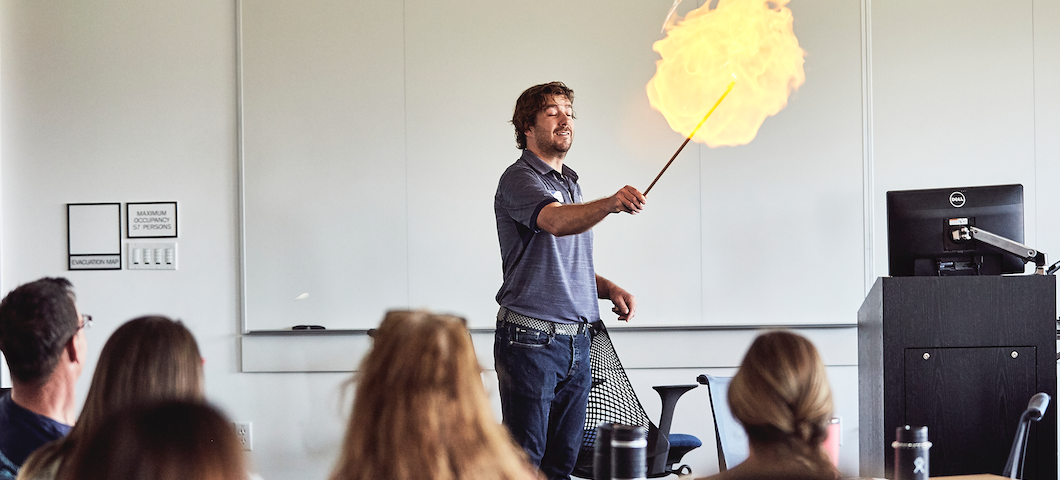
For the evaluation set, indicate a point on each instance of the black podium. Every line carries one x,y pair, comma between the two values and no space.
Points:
961,355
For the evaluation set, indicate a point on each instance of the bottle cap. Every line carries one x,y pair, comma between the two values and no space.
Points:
909,434
628,433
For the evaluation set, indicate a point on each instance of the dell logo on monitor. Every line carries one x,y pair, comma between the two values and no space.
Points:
957,199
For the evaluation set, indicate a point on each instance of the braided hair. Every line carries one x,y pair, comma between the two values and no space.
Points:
781,396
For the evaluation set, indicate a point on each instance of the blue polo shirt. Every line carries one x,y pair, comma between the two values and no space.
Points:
23,431
545,277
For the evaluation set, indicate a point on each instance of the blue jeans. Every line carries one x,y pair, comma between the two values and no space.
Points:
544,383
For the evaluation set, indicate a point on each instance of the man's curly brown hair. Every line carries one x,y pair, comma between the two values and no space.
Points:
533,100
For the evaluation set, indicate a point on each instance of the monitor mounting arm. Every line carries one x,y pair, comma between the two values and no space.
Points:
1020,250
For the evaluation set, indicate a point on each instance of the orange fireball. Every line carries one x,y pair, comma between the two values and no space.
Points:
749,41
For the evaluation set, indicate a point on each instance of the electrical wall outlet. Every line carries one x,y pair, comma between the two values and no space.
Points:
245,434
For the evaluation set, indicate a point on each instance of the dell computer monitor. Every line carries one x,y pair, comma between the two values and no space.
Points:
920,225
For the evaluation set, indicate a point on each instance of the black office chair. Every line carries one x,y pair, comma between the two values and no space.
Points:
612,400
1035,410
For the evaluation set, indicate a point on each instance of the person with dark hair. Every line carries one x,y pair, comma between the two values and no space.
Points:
782,398
147,359
550,288
420,410
174,440
42,338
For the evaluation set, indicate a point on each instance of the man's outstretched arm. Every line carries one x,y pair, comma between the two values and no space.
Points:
560,220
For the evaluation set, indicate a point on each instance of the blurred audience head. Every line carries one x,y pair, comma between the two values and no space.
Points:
146,360
39,321
174,440
781,396
420,409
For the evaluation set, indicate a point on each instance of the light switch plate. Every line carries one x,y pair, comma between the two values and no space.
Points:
151,256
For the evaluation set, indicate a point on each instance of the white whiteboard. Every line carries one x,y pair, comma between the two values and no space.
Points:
374,135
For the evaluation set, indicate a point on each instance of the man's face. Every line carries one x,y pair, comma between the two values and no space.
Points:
80,340
553,130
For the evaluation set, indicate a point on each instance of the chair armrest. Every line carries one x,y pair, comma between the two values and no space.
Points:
659,439
670,394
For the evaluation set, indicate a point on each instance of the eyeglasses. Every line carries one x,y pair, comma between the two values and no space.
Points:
88,321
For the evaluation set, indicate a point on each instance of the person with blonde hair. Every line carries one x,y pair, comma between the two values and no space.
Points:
420,409
148,359
782,398
170,440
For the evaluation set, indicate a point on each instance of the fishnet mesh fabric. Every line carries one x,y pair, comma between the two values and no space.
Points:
611,397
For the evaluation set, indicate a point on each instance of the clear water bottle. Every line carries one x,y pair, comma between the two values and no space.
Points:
911,459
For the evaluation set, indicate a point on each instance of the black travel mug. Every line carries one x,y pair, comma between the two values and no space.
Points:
911,453
602,452
629,445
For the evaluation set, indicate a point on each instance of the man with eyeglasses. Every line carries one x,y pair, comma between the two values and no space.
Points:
42,338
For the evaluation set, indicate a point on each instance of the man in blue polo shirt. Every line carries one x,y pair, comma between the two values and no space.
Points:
42,337
550,288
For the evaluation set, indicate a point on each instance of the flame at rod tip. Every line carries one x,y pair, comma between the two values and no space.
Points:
682,147
752,40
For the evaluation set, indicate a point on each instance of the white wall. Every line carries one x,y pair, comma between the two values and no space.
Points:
134,101
1046,125
126,101
407,173
939,119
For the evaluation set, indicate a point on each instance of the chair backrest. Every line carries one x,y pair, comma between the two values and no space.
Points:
611,397
733,445
1035,411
